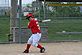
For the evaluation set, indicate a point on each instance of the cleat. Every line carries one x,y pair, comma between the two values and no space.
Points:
42,50
26,51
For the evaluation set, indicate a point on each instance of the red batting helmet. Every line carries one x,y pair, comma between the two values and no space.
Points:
30,15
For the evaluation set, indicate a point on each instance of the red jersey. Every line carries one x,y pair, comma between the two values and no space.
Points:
34,26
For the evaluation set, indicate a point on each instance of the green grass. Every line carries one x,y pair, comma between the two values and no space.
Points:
4,29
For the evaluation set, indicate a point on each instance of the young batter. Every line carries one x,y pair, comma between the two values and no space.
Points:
36,34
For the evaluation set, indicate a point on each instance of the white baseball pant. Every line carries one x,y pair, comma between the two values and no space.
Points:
34,39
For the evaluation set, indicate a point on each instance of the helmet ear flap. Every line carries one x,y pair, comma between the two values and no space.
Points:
28,17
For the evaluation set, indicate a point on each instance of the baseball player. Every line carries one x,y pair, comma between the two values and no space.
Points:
36,34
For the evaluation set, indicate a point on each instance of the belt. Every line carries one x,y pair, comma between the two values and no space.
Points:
36,32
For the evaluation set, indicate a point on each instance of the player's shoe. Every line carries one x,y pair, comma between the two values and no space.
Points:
42,50
26,51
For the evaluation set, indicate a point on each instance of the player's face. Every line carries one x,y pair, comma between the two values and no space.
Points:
30,19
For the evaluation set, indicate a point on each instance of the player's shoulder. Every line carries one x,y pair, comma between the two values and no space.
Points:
35,19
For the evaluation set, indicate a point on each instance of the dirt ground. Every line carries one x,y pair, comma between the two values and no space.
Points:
63,48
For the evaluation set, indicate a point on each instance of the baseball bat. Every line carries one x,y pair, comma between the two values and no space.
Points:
47,20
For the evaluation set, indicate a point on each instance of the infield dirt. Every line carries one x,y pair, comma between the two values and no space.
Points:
62,48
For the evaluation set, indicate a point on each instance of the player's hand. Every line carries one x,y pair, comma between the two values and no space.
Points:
40,20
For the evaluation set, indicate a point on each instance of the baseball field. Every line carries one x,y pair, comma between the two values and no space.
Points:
63,33
61,48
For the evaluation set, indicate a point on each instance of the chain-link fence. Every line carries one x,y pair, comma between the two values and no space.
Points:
4,20
4,29
65,24
66,21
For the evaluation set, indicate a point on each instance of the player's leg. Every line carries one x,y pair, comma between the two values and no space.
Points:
28,45
35,43
42,49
